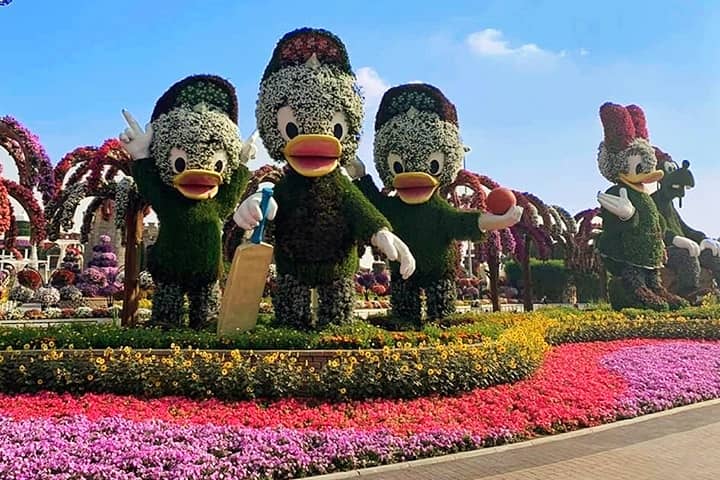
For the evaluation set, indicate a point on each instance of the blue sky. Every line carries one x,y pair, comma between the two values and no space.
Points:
527,77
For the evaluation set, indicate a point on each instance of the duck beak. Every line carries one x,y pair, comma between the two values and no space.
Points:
415,187
637,181
198,184
313,155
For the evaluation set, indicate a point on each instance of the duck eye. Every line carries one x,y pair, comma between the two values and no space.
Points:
287,123
177,160
291,130
339,125
219,166
436,160
395,163
638,168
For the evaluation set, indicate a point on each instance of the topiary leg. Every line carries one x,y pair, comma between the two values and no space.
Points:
712,263
654,282
686,269
336,302
635,282
291,302
167,308
405,300
204,305
441,298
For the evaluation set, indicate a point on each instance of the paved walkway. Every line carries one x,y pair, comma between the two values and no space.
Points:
678,445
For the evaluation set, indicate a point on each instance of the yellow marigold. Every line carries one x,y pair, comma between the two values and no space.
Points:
404,369
103,368
194,376
224,371
100,361
26,346
419,366
396,357
334,363
43,347
51,344
175,384
227,365
22,368
90,377
127,350
39,381
187,364
343,391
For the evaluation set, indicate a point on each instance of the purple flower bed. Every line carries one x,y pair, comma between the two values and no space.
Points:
665,375
114,448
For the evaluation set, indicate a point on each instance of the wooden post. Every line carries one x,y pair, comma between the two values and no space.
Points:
494,274
131,294
527,277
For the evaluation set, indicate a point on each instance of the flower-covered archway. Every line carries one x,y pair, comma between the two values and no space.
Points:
35,173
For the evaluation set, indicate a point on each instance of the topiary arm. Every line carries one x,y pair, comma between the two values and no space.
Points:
362,216
150,185
460,225
369,189
230,193
610,219
692,234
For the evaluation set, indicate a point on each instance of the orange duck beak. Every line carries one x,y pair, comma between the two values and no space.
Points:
313,155
637,181
198,184
414,188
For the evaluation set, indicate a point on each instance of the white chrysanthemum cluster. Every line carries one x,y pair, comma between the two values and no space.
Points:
315,94
611,165
414,136
200,133
125,193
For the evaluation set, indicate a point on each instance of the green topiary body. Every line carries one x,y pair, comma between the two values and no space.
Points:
318,234
430,230
188,247
637,241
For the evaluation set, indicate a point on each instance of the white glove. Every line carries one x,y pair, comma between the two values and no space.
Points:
136,140
683,242
395,249
712,245
490,221
620,206
248,215
249,149
356,168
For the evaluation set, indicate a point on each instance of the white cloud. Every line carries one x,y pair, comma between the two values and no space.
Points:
491,43
584,52
372,85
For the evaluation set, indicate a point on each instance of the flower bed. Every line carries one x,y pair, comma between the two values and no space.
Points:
402,372
172,438
53,313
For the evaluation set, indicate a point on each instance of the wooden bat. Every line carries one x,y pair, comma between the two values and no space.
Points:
246,279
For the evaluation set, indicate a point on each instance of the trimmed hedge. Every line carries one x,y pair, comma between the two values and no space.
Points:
358,334
549,278
406,372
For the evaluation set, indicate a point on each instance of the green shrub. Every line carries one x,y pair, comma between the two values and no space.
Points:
550,279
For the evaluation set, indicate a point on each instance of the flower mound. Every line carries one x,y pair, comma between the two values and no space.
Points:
110,436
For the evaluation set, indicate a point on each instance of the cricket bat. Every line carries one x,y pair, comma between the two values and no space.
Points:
246,279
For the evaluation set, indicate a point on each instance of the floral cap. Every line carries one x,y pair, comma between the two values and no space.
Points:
299,46
213,91
622,125
421,97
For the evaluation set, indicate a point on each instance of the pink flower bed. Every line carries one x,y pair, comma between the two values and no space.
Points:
578,385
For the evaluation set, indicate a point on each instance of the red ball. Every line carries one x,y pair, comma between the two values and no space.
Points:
500,200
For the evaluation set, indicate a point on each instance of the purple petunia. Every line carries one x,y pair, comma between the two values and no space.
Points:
666,375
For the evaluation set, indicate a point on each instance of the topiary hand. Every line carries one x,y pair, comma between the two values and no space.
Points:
683,242
136,140
490,221
395,249
620,206
712,245
248,215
